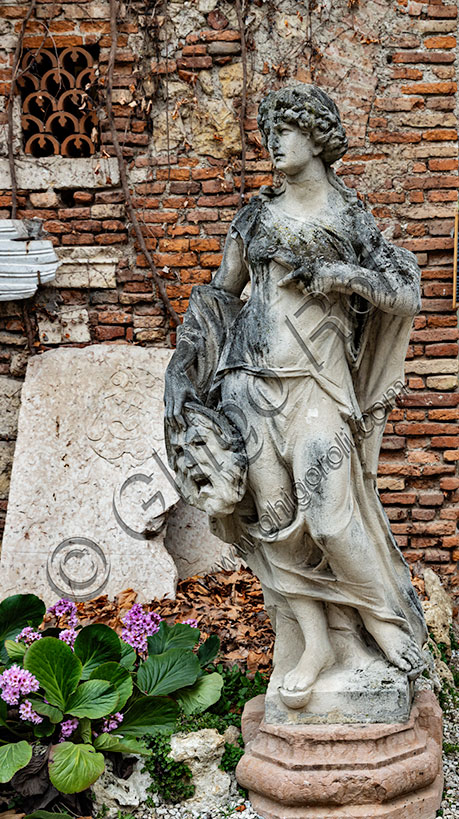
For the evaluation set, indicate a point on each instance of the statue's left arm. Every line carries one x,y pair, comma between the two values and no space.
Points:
385,275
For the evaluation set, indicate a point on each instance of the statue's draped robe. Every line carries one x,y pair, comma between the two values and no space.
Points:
229,351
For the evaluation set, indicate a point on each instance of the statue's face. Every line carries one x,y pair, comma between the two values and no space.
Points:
290,148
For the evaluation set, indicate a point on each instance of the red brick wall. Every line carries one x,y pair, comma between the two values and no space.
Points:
391,68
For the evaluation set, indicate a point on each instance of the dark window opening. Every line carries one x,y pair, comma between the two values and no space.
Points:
58,92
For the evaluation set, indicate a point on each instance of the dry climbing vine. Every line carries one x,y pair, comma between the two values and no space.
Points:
15,69
161,287
243,111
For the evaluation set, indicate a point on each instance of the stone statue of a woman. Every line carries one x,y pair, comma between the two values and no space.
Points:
276,403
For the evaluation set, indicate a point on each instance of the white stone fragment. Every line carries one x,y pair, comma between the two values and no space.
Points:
10,399
89,497
112,794
26,261
71,325
42,173
202,752
87,266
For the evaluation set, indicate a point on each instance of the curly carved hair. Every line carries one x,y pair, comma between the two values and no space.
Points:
312,110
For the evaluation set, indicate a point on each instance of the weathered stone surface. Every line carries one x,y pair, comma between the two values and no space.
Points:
17,131
57,172
211,126
344,772
70,325
438,609
231,80
434,365
112,794
6,462
10,399
87,266
193,547
26,259
18,364
375,693
202,752
88,500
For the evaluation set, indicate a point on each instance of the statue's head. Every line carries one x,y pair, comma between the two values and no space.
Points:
312,111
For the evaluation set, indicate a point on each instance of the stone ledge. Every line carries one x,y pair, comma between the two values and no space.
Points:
40,174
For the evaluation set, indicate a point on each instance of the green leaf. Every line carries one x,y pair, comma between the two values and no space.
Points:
149,715
95,645
109,742
93,699
54,714
177,636
128,655
209,650
162,674
204,693
16,612
73,768
85,730
15,650
45,729
3,713
119,677
56,668
13,757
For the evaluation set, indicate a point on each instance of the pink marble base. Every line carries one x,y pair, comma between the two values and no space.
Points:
344,771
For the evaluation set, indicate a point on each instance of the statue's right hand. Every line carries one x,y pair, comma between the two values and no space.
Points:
177,395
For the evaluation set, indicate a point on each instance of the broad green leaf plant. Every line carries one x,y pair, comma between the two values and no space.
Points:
85,691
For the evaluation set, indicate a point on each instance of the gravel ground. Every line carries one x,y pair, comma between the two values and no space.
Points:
233,808
450,804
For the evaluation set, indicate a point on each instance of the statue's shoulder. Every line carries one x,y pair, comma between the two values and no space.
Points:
246,218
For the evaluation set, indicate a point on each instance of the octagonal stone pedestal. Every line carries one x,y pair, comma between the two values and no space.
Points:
344,771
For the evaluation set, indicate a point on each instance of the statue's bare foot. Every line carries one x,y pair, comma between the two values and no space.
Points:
298,683
399,648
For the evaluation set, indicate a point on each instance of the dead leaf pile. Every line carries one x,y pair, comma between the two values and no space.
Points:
229,604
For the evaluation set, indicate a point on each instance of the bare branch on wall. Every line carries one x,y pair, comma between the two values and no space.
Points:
243,111
15,69
161,287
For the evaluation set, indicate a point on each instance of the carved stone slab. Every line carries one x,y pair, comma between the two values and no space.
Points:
89,493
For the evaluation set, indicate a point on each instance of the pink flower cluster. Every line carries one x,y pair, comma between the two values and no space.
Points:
15,682
112,722
67,729
65,608
191,622
26,712
139,624
28,636
68,636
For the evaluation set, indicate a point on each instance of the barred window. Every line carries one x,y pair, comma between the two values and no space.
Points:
58,101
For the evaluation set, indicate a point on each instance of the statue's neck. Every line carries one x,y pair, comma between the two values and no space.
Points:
307,190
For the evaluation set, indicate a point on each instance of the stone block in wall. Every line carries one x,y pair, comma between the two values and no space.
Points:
60,172
10,399
88,498
16,124
87,266
432,365
70,325
6,462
